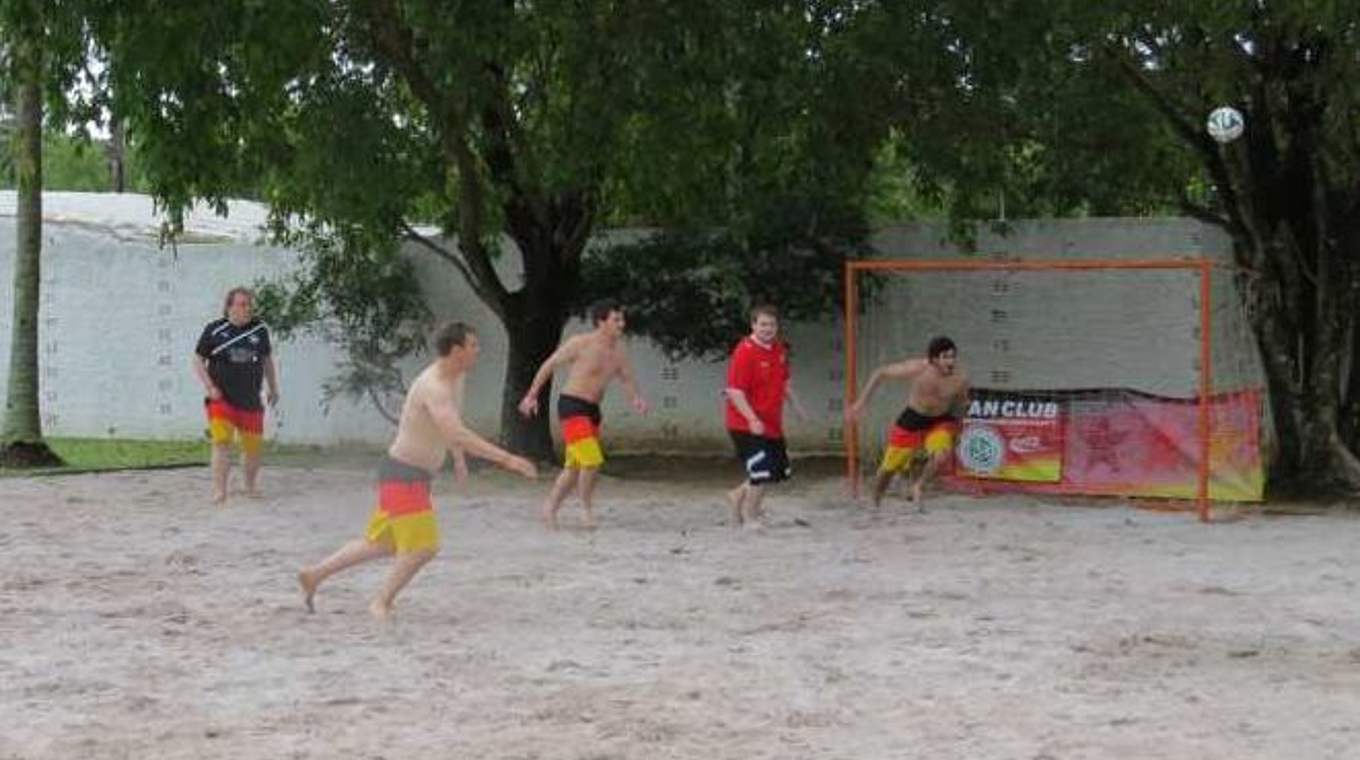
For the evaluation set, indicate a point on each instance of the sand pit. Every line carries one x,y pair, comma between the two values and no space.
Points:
137,621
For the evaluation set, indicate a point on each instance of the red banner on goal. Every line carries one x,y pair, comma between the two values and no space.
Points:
1113,442
1012,437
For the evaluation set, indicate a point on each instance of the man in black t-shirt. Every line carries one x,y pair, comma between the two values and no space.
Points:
233,358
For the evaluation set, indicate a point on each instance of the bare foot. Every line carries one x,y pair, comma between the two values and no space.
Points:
219,498
548,516
380,611
917,498
254,493
734,498
589,520
308,584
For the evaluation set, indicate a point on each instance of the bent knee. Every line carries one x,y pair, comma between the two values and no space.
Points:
426,554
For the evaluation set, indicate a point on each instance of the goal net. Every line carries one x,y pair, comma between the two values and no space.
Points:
1104,377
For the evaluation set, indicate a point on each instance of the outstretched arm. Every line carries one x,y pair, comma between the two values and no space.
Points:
565,354
628,379
962,397
459,437
460,468
903,370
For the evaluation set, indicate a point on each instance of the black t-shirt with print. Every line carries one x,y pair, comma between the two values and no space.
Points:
236,359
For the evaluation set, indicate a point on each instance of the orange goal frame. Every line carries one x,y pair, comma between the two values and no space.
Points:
1203,266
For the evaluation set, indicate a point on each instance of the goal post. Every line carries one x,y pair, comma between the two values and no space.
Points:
1124,347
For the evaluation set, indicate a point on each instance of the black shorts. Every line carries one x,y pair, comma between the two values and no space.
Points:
396,471
575,406
765,459
910,419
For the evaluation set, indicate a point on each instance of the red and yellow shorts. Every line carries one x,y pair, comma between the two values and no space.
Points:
580,421
226,422
404,519
912,433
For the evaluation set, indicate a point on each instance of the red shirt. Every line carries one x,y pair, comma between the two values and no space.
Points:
763,375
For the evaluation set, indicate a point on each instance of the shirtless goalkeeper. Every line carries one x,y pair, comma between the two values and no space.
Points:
431,427
938,385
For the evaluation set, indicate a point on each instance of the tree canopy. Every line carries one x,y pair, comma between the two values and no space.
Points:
533,123
750,138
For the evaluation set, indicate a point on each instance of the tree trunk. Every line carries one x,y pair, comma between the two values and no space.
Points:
21,441
534,331
1311,456
1332,466
1350,395
1350,408
536,315
1303,361
117,156
1283,397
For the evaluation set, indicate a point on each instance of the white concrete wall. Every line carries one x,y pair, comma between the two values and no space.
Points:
120,316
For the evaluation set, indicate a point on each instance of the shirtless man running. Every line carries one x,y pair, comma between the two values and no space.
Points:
596,359
431,427
938,386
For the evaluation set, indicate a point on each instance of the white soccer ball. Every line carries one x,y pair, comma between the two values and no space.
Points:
1226,124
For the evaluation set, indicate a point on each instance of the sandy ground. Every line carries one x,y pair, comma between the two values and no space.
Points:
137,621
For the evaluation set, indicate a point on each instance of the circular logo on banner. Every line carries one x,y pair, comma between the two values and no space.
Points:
982,450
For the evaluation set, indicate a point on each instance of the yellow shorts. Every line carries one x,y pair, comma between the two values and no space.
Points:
580,432
404,519
903,444
408,533
584,452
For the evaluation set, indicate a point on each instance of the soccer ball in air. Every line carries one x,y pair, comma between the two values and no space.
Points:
1225,124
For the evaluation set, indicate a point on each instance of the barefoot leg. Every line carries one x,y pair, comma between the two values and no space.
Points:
927,472
221,469
736,497
353,553
406,567
250,461
587,484
754,496
881,482
557,495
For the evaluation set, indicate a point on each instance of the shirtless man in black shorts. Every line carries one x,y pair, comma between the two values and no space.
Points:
938,386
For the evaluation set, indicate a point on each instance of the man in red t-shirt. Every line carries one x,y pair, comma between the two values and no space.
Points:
757,386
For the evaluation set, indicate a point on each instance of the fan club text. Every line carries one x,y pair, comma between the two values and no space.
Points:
1013,409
